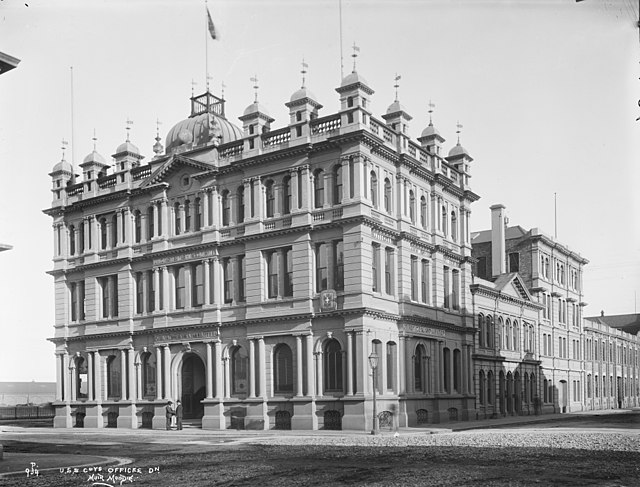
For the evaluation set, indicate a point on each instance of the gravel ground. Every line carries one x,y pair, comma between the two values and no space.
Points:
600,441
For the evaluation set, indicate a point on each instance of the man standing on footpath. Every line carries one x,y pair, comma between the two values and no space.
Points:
179,415
169,414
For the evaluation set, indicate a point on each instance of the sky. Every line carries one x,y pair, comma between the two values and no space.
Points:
546,93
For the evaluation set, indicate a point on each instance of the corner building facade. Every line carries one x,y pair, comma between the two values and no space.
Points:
251,272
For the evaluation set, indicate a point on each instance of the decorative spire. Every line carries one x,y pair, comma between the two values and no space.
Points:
94,138
129,124
254,80
356,50
64,147
304,72
459,127
396,85
157,147
430,111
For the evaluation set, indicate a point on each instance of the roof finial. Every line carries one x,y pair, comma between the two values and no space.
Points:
430,111
209,78
158,123
193,86
222,87
64,147
356,50
157,147
94,138
129,124
254,80
459,127
396,86
304,71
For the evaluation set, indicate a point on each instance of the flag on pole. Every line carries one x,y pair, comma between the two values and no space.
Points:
212,30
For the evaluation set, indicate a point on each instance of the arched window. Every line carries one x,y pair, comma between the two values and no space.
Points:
332,366
177,221
391,366
446,369
337,184
148,365
490,332
454,226
180,284
507,342
197,285
114,231
239,361
286,195
318,188
412,206
483,387
103,233
150,224
490,388
241,204
516,336
373,180
197,210
114,372
81,238
270,198
457,370
481,331
226,208
500,333
387,195
533,393
137,226
283,369
423,212
187,216
419,369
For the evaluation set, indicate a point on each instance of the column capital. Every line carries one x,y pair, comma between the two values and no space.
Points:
294,170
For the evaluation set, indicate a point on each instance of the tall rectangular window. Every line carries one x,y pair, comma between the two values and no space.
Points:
151,295
447,288
388,271
197,285
414,278
139,292
228,280
375,268
455,289
321,267
288,272
514,262
73,289
180,286
424,281
81,298
338,265
242,280
271,259
109,291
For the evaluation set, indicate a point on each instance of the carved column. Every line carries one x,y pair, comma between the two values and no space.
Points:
167,372
252,368
73,381
262,368
138,375
90,394
156,287
349,363
209,371
131,373
403,366
159,367
206,220
299,352
310,381
219,369
206,270
295,204
59,376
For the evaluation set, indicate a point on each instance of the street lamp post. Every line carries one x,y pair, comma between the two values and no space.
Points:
373,362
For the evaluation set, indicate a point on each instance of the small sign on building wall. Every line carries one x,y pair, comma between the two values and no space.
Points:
328,300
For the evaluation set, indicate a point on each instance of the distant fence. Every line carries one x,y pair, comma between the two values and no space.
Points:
27,412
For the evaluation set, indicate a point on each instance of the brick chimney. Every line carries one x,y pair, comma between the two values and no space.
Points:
498,228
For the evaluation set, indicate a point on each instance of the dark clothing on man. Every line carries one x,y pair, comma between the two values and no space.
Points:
169,413
179,416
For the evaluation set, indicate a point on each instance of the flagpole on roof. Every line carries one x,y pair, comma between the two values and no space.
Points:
206,46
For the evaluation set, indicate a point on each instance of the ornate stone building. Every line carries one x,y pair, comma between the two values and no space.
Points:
251,272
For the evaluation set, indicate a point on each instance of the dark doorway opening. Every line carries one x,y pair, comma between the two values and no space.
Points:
193,387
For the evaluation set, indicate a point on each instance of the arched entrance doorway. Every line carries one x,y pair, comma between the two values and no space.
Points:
193,386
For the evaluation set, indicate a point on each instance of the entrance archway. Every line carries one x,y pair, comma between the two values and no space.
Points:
193,386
